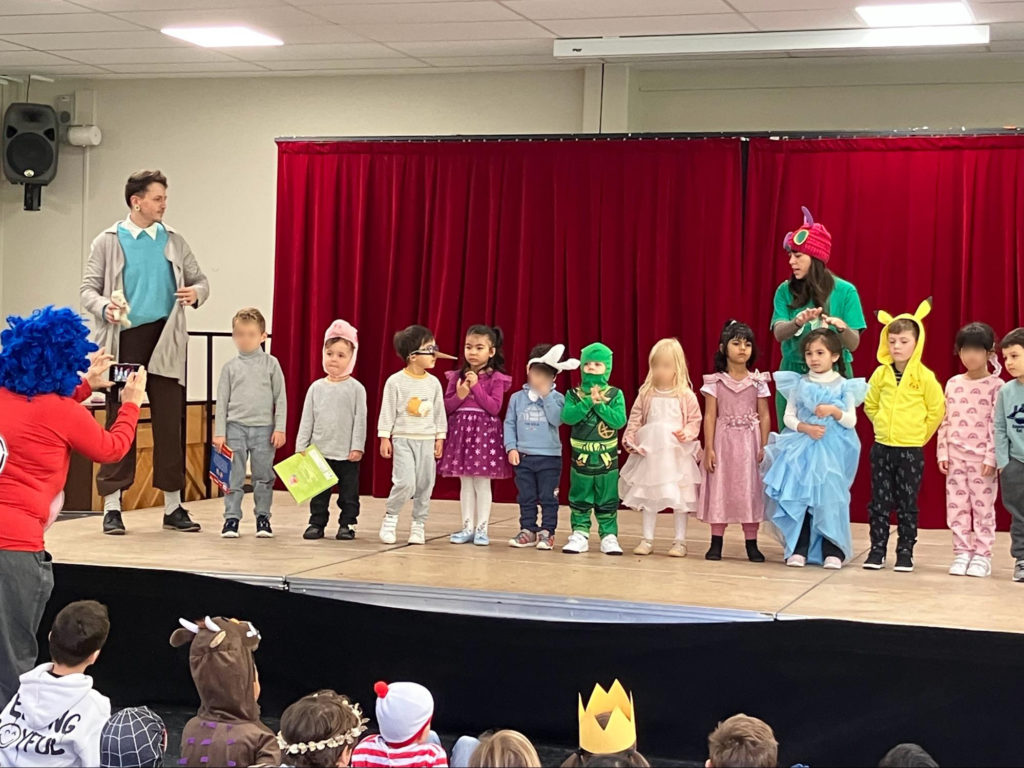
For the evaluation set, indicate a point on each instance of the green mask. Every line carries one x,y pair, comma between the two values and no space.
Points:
596,353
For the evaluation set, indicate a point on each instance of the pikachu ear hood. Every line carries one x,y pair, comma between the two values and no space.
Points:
923,310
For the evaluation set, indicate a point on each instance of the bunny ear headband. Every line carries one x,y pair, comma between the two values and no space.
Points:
552,358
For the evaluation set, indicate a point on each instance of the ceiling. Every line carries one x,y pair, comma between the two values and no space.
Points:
121,38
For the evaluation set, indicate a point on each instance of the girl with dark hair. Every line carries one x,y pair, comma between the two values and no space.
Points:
475,451
813,297
736,427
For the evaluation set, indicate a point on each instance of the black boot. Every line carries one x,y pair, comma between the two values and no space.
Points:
753,553
715,550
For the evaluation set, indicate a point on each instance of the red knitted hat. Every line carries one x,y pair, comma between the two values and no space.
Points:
812,239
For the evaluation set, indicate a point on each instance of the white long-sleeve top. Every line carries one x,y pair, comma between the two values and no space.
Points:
849,419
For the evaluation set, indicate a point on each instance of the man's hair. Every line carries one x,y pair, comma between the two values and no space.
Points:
249,315
78,631
904,325
743,742
139,182
408,340
1013,338
907,756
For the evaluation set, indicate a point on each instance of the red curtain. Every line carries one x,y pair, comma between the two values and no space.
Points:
910,218
560,241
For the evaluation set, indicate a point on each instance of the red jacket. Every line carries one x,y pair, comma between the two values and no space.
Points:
36,440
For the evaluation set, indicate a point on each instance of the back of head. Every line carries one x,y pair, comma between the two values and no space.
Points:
505,749
907,756
43,353
318,729
743,742
403,711
78,631
134,737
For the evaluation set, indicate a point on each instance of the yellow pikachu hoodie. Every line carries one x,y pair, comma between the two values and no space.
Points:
905,415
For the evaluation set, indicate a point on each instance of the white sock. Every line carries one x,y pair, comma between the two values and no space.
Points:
648,524
483,502
172,500
467,498
112,502
680,520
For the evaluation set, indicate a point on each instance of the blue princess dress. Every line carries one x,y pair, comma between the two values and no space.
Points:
802,474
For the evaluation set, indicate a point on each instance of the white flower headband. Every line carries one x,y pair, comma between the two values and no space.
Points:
344,739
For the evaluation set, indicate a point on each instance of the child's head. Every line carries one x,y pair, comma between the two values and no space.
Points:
416,344
78,633
540,376
505,749
341,345
907,756
483,349
248,329
975,344
903,334
1013,352
823,350
667,367
404,712
135,737
736,345
320,731
742,742
596,361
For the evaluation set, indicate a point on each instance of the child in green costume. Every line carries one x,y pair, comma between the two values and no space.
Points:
596,412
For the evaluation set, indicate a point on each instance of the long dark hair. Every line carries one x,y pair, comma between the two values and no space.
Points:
497,339
832,343
734,329
814,288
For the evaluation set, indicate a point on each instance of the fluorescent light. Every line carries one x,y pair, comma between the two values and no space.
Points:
915,14
759,42
221,37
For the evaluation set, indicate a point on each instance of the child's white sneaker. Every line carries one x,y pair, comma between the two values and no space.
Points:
832,563
796,561
678,549
960,563
577,544
610,545
417,533
388,529
645,547
980,567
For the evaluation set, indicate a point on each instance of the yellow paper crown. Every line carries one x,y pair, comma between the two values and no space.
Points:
620,732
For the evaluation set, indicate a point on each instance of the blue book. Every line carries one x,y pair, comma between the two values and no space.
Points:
220,467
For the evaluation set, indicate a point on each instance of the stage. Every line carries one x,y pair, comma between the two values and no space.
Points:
505,582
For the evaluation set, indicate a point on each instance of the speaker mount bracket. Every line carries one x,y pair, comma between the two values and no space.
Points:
33,197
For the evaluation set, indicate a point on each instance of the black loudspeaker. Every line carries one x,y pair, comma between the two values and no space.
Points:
30,148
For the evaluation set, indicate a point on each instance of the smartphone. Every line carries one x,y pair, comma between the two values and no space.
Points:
119,372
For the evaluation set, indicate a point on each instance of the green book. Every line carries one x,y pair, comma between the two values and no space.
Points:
306,474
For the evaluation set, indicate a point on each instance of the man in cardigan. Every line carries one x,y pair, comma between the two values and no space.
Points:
140,278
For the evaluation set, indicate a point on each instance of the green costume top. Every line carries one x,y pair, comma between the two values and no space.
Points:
843,302
594,437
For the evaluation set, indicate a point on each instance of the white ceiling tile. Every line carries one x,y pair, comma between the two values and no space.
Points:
62,22
185,55
268,18
1006,46
473,30
413,13
489,61
63,70
18,7
68,41
28,58
342,64
754,6
320,51
1010,31
650,25
114,6
6,46
596,9
536,47
195,68
995,13
773,21
318,33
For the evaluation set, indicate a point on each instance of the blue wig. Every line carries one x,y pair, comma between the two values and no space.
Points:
43,353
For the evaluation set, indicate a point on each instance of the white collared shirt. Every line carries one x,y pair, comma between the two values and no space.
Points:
136,230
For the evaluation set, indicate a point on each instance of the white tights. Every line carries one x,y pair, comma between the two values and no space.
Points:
650,518
475,497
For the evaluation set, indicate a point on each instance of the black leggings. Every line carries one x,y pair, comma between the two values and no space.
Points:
828,548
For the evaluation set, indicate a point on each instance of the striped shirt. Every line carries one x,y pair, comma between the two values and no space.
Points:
412,407
374,752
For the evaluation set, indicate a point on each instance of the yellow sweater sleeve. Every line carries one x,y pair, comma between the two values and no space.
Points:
872,398
935,403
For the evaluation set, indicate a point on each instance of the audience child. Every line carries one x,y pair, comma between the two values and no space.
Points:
56,717
907,756
1009,436
505,749
320,731
742,741
607,730
404,713
135,737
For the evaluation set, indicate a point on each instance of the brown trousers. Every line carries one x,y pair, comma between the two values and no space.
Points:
166,405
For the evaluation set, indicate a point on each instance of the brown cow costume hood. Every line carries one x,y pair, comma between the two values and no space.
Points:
227,730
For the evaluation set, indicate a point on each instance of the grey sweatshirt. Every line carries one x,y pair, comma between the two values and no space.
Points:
333,418
251,393
412,407
1009,423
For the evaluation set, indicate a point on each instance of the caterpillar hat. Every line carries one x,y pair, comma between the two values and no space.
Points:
812,238
403,711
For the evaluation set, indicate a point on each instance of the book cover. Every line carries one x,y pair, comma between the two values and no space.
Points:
306,474
220,467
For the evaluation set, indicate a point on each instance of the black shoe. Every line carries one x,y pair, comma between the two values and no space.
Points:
112,524
263,529
179,520
715,550
313,532
230,529
904,562
345,533
754,554
876,560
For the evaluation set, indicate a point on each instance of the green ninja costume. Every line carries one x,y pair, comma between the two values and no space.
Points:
594,472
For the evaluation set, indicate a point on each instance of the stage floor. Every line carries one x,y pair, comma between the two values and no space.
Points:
526,583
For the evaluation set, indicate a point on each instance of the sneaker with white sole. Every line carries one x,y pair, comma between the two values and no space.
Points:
610,545
389,529
796,561
1018,570
678,549
645,547
875,560
481,539
523,539
980,567
960,563
417,533
465,536
577,544
263,529
904,562
545,540
832,563
230,529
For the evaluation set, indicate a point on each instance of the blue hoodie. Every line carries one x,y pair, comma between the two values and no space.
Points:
531,426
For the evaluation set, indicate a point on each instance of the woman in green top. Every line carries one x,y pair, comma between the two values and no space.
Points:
812,298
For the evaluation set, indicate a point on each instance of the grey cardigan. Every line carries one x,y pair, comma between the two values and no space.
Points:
104,274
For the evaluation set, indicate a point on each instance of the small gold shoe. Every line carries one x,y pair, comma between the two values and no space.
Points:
645,547
678,549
